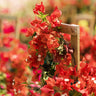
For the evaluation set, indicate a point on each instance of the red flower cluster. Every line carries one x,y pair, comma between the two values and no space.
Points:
93,49
85,40
48,70
13,66
53,19
49,53
39,8
8,28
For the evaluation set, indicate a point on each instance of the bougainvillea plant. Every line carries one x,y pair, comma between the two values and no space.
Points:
50,59
47,71
13,68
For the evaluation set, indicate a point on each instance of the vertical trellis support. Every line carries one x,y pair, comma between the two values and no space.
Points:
90,19
73,30
75,42
5,17
16,34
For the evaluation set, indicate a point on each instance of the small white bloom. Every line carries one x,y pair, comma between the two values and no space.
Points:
35,36
66,79
13,83
36,82
39,59
30,56
39,56
65,94
15,90
26,60
79,82
14,56
51,42
13,80
95,81
93,78
15,93
19,91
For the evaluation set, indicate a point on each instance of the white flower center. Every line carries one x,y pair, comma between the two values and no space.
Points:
66,79
93,78
30,56
95,81
36,82
39,59
78,82
14,56
65,94
15,90
26,60
19,91
39,56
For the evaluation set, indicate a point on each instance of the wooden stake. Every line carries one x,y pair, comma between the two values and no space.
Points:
12,18
74,31
89,18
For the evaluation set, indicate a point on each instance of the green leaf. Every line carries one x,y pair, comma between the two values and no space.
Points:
24,83
58,27
42,16
74,93
34,34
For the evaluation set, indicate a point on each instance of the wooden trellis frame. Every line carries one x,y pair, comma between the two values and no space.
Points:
16,34
88,17
12,18
74,31
68,12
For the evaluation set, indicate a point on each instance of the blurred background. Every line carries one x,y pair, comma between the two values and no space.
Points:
15,18
18,14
